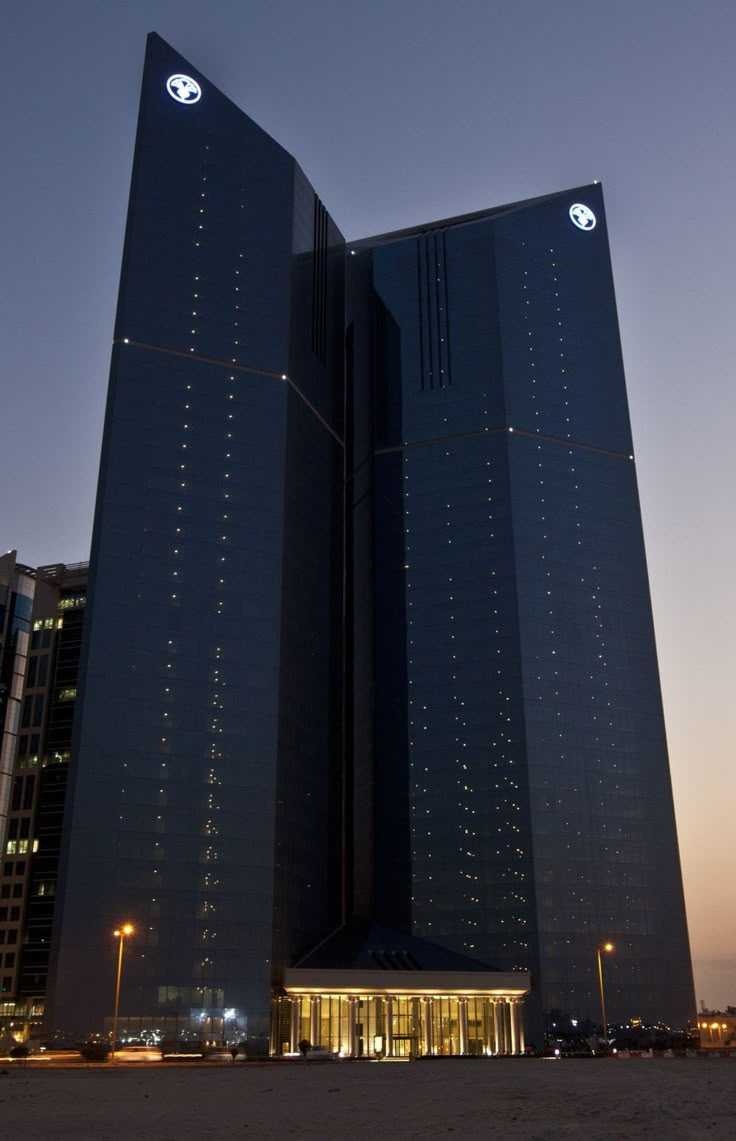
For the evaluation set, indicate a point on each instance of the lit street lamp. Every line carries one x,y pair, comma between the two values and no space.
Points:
604,947
120,934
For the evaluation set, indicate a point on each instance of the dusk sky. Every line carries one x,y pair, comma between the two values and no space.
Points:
401,112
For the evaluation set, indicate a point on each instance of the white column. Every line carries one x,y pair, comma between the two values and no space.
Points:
486,1027
513,1028
388,1028
352,1042
314,1021
462,1024
427,1025
294,1028
521,1041
499,1028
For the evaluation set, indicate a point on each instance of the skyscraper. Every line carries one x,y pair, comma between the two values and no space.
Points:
517,744
208,777
369,681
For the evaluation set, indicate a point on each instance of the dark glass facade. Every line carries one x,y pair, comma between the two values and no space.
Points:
520,772
369,632
205,801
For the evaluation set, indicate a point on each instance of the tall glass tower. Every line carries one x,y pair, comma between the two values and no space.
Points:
208,754
369,635
508,710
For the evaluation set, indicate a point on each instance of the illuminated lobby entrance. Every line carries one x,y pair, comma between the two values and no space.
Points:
369,991
400,1025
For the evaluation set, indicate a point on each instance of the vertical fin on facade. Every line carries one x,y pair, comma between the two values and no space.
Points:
434,326
319,282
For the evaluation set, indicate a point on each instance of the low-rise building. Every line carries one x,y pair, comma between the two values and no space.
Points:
41,620
717,1029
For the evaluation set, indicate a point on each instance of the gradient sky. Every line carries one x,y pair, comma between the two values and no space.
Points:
402,111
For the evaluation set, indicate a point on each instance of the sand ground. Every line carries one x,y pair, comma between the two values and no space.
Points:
529,1099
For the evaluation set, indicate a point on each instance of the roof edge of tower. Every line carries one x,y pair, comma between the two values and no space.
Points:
469,218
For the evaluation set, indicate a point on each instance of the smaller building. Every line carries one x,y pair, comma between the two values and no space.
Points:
368,991
41,620
716,1029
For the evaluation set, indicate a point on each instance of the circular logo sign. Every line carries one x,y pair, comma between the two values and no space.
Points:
582,216
184,89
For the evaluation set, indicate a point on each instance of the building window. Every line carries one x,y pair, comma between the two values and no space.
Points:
25,720
41,636
17,794
72,602
38,709
28,792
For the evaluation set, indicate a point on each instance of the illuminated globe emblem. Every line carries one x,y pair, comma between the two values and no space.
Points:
582,216
184,89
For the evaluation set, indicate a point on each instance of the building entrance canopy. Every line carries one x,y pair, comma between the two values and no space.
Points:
370,991
355,1013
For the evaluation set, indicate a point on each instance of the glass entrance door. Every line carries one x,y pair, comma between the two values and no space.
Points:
405,1046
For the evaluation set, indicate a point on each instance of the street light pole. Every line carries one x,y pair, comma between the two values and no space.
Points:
604,947
120,933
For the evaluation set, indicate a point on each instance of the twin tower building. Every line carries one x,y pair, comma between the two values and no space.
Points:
369,747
